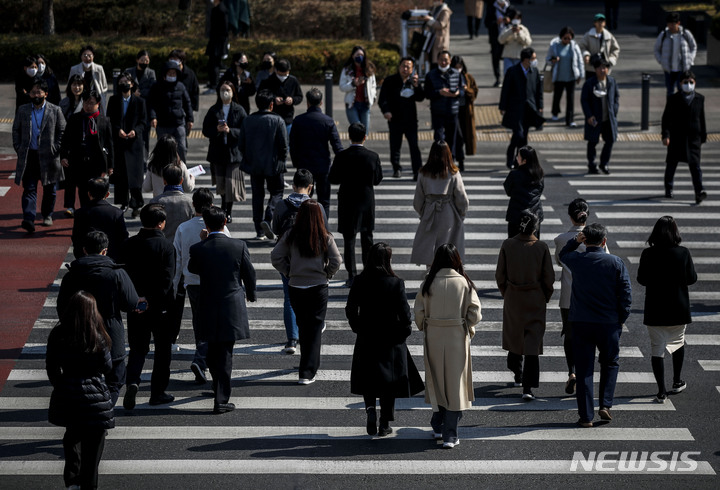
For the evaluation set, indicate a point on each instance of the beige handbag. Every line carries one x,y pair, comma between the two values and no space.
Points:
548,85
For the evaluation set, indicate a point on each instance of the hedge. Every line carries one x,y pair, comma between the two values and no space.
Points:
309,58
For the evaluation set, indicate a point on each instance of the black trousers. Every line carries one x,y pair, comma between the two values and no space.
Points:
569,89
518,140
275,186
445,127
445,422
607,136
531,373
115,379
323,190
70,189
496,49
310,306
695,173
213,68
123,189
476,30
567,340
410,131
141,326
83,448
219,362
387,406
366,242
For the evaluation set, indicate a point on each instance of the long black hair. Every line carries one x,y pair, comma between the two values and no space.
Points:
529,154
446,257
378,260
83,325
665,233
165,153
309,233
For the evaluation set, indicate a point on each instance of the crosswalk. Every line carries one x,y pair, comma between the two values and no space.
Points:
317,431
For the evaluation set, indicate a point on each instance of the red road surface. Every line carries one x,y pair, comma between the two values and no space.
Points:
28,266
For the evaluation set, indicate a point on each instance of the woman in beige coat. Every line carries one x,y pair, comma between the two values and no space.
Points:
525,278
441,202
447,310
438,22
474,13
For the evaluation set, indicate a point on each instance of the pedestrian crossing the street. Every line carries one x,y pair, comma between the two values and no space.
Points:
314,436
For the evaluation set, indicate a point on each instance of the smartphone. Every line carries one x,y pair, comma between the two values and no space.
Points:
142,306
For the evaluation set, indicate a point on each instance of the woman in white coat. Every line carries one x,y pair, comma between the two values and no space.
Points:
567,62
447,310
357,80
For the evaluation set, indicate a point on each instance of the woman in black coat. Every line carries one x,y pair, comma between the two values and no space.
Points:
128,126
525,186
78,356
221,126
378,312
240,77
666,270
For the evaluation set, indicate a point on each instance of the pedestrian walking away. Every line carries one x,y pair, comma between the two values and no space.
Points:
524,185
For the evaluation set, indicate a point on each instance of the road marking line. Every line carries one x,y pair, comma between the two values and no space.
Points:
696,339
710,365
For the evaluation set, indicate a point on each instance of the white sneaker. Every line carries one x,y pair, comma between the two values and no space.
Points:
450,445
437,435
305,381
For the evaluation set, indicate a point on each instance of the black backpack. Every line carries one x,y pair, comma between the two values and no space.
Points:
287,219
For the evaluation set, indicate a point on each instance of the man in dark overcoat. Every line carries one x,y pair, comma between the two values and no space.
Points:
356,170
521,102
224,267
217,46
600,101
128,118
443,88
683,132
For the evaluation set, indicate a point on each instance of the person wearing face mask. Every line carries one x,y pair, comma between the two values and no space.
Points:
567,70
221,126
24,81
87,146
241,79
494,19
93,73
675,50
47,74
438,22
188,78
128,116
521,102
170,108
37,131
443,85
600,101
514,36
286,91
357,80
217,47
267,68
146,78
71,103
683,132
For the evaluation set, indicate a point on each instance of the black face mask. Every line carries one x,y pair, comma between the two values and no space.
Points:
265,65
243,65
37,100
143,66
124,87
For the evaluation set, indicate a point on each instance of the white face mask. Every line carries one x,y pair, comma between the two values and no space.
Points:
599,92
443,68
282,78
171,79
688,87
31,72
226,96
533,63
41,68
86,65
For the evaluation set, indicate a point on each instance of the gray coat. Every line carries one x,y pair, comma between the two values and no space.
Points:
51,132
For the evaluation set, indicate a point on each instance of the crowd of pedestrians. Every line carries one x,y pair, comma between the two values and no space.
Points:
86,142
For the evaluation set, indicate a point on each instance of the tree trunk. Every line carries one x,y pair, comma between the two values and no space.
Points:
48,18
366,28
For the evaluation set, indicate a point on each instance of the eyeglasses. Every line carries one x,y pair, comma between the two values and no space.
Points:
87,55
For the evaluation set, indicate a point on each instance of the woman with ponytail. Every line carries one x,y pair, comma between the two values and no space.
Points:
525,279
524,185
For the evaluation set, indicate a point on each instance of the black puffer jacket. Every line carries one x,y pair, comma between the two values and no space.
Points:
524,194
80,397
170,102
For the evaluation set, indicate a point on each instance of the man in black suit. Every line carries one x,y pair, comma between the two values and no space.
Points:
224,267
99,215
443,88
521,101
149,260
683,132
397,101
600,100
356,170
309,140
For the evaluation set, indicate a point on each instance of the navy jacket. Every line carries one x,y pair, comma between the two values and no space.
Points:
601,290
521,98
436,80
592,106
309,138
170,104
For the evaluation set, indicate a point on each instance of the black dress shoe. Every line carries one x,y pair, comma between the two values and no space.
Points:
161,399
229,218
385,429
700,197
397,173
604,169
668,193
593,171
223,407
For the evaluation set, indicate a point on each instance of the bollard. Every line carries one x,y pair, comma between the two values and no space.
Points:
328,93
645,103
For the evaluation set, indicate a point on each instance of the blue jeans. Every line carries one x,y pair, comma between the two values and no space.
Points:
291,328
586,337
508,63
359,112
672,80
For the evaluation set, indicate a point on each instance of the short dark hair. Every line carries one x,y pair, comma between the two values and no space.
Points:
688,75
594,234
665,233
98,188
672,17
152,215
263,99
133,81
172,174
29,60
567,30
303,178
87,47
91,92
314,97
598,59
511,13
202,199
406,58
526,53
282,66
179,54
444,51
214,218
356,132
141,53
95,242
39,82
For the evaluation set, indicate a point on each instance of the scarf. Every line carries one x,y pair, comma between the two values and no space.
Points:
170,188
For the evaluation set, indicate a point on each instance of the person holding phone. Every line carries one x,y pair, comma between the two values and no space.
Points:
600,101
515,37
357,80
